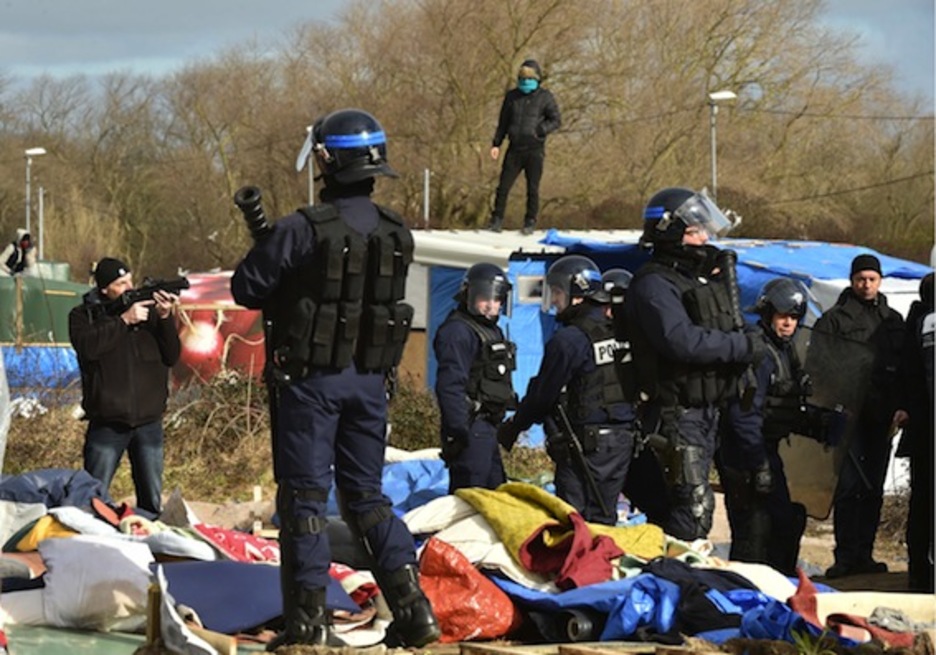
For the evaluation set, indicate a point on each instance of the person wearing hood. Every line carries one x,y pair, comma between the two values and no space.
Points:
862,315
528,114
473,379
689,352
766,525
591,438
19,256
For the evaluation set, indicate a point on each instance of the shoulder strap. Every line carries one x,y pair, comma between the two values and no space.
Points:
486,335
320,213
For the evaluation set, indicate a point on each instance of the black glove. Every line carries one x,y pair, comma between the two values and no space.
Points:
757,349
452,447
762,479
507,434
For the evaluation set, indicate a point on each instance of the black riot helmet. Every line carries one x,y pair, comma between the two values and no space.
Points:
616,278
485,281
349,146
670,211
781,295
575,276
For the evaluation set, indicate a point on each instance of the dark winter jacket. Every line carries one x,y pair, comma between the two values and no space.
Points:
882,328
527,118
124,368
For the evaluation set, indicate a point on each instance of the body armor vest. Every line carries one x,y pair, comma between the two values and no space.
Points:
601,388
490,388
683,383
783,404
344,305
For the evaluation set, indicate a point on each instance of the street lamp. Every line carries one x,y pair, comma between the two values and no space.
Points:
714,98
30,153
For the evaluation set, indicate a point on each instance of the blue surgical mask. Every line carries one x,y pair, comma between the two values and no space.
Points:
527,84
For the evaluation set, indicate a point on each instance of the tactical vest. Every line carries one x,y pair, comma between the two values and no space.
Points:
344,305
601,388
490,387
927,332
683,383
783,403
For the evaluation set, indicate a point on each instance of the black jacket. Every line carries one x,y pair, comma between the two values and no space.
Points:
882,328
527,118
124,369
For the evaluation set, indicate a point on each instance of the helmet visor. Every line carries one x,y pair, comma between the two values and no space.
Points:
483,292
699,211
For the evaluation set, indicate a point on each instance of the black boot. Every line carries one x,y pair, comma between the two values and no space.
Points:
496,224
414,623
307,620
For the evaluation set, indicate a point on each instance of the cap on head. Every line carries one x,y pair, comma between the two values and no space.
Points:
530,68
107,270
865,263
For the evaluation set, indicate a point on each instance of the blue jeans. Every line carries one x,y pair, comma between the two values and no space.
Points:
105,445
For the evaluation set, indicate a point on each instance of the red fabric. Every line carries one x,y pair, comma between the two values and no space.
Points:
803,602
838,622
467,604
240,546
577,561
362,591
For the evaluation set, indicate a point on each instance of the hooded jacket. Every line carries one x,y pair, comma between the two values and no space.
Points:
527,118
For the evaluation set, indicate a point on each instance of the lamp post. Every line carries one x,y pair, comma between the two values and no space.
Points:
311,166
714,98
30,153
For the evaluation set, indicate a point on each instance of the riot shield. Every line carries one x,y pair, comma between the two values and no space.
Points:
839,370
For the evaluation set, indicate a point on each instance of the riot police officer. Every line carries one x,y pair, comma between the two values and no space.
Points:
330,278
593,440
682,319
473,383
766,525
645,486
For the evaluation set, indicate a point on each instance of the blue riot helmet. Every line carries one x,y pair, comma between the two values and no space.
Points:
670,211
349,146
572,276
485,281
616,278
781,295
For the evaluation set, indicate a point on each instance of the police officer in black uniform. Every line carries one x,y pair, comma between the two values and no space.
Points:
579,359
473,383
766,525
330,279
688,348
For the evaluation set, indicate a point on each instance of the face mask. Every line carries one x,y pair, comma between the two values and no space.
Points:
527,84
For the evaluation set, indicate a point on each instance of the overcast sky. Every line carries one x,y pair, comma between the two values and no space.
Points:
63,37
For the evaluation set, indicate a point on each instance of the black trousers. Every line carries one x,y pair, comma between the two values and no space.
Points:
530,162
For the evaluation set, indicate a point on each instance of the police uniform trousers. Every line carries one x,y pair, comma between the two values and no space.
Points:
334,425
608,462
692,506
479,464
859,493
765,528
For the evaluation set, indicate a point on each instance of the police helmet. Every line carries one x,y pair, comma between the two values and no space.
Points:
350,146
485,281
575,276
616,278
782,296
670,211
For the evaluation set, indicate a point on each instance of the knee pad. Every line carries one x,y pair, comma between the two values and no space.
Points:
364,510
290,521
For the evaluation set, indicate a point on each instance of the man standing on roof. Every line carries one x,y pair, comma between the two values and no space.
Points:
862,315
577,388
528,114
19,257
473,379
689,351
331,279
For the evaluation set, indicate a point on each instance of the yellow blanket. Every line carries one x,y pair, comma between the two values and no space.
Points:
516,510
